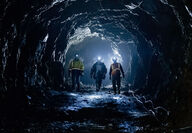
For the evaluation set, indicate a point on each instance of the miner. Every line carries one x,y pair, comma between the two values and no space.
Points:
76,69
98,72
115,73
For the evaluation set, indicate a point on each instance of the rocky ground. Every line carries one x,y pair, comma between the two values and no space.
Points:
88,111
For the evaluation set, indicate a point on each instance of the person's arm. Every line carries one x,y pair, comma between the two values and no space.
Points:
110,72
81,66
70,67
121,68
91,73
104,69
92,70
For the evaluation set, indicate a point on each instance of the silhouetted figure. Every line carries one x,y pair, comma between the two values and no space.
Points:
98,72
115,74
76,69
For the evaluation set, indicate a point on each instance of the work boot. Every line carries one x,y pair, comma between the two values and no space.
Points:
115,91
78,88
72,86
97,87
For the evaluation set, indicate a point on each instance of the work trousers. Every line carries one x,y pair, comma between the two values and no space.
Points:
76,79
116,81
98,84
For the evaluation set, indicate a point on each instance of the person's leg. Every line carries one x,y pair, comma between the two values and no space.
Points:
119,84
97,84
73,80
78,81
114,85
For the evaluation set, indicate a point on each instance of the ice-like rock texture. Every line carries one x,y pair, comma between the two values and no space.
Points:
35,37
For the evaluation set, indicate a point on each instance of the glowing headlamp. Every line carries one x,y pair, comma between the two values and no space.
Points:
76,55
98,58
114,59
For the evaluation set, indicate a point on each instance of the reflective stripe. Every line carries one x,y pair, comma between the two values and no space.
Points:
76,64
76,69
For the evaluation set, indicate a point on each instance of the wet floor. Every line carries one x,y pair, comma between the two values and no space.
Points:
91,112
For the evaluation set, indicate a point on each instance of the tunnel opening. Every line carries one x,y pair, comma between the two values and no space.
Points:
42,37
90,48
93,44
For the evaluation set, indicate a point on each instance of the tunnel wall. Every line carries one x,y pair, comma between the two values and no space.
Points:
28,59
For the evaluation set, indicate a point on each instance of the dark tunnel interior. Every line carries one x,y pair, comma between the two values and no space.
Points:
151,39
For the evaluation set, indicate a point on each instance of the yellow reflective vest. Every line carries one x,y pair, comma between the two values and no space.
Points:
76,64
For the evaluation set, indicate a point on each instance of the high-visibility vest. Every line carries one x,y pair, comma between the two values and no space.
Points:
115,68
76,65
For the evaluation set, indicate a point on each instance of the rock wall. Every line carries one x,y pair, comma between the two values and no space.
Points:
34,36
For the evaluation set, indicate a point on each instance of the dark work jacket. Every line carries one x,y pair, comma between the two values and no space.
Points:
98,70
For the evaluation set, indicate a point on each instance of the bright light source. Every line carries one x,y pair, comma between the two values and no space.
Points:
114,59
76,55
99,58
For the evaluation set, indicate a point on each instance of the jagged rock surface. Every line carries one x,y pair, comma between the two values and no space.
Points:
35,34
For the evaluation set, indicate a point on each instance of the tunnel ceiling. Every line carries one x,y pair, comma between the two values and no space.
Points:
36,34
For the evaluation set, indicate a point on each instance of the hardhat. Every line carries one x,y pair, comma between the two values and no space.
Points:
99,58
114,59
76,55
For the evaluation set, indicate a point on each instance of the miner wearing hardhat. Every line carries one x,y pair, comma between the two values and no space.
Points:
115,74
98,72
76,69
